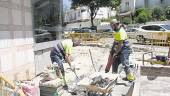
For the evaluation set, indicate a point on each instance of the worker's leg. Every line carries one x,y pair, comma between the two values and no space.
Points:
115,65
60,68
125,61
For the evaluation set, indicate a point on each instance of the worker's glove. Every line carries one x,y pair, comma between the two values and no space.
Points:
106,70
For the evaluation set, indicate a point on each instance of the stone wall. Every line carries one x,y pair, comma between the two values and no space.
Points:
16,39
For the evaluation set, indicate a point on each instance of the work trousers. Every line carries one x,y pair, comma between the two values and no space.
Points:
57,60
122,58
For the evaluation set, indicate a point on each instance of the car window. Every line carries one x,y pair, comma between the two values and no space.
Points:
157,28
134,30
147,27
167,27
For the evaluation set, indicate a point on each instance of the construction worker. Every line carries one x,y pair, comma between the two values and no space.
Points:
120,51
62,51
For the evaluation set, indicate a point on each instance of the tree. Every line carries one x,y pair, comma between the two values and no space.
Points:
167,12
158,13
126,20
142,18
142,15
94,5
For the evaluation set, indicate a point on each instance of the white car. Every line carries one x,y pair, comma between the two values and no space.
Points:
131,33
145,32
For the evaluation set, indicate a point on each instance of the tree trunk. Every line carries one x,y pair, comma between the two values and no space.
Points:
92,23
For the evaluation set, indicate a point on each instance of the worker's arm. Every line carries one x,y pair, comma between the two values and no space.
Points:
68,59
118,47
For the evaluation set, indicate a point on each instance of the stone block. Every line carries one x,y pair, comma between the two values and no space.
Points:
28,18
16,2
29,37
5,39
16,17
27,3
19,38
4,16
6,62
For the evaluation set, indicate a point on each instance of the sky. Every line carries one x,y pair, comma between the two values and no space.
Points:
67,3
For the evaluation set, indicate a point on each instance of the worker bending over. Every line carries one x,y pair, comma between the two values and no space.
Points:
120,51
59,53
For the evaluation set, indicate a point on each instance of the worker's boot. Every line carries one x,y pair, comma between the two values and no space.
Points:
65,87
130,77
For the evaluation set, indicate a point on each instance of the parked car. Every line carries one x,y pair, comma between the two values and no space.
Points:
83,30
107,30
132,30
145,30
132,33
42,35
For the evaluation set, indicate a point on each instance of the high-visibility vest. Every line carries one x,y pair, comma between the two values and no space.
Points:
120,35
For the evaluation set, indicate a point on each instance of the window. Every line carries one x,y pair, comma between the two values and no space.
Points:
167,27
47,22
79,14
154,28
147,27
157,28
162,1
127,4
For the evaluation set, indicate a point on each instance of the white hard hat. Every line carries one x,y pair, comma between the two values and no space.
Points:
114,21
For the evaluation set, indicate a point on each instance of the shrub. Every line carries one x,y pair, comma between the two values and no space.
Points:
167,12
126,20
142,15
142,18
158,13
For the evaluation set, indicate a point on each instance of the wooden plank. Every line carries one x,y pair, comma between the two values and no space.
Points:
136,88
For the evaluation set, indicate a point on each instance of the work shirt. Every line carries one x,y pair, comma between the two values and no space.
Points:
121,35
62,48
67,45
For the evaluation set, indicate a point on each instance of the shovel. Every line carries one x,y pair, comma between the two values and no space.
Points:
74,72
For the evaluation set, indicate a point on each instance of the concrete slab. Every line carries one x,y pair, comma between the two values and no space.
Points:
160,86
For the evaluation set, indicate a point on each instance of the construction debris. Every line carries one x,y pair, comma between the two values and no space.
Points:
89,78
99,83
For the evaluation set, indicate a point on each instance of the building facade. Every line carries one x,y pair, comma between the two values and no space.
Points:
128,6
24,26
83,14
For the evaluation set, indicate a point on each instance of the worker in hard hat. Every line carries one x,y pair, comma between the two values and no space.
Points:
62,51
120,50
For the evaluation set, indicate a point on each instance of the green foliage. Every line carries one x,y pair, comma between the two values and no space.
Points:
163,18
158,13
126,20
142,15
113,17
108,20
115,3
142,18
167,12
